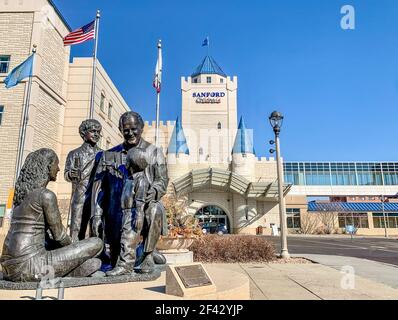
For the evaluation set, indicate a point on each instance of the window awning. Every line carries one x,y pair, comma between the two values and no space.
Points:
352,207
227,181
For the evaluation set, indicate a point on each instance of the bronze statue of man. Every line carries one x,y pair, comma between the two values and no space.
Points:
107,212
37,240
80,168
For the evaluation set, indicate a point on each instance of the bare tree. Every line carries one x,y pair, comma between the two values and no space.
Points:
328,221
309,223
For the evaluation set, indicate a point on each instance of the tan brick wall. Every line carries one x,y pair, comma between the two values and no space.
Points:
52,69
15,38
15,35
47,122
20,27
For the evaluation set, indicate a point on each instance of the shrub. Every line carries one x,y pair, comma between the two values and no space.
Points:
232,248
180,223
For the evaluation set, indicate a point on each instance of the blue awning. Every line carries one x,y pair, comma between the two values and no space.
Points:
351,207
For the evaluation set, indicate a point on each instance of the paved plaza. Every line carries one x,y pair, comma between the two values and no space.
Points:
275,281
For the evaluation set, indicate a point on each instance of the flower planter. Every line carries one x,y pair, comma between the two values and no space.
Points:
174,244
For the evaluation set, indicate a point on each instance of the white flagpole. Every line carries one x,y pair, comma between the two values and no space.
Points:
25,118
157,143
93,80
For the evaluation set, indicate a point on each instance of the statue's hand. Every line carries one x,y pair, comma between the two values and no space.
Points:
74,174
96,226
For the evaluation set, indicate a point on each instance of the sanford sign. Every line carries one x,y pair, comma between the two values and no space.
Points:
208,97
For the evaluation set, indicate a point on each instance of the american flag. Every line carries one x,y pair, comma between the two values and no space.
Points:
80,35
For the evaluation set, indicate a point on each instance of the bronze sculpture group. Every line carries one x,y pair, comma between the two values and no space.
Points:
116,213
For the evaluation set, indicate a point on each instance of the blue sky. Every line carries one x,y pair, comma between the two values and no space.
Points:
338,89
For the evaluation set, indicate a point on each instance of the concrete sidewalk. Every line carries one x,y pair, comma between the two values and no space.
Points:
273,281
309,282
372,270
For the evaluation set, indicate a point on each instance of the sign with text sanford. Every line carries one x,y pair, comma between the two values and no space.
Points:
208,97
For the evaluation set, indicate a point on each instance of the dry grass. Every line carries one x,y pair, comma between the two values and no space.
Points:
232,248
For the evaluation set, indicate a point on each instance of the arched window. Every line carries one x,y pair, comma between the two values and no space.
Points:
213,219
110,111
102,102
219,126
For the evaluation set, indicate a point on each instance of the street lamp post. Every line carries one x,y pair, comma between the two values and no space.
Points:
276,120
382,198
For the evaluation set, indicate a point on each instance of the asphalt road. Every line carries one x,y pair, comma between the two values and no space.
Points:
376,249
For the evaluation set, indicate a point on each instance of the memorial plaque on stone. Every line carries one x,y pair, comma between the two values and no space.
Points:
193,276
188,280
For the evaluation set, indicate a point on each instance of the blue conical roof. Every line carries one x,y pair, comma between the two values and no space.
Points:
243,141
208,66
178,142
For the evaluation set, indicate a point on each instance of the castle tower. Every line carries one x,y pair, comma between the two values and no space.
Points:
243,153
177,153
209,112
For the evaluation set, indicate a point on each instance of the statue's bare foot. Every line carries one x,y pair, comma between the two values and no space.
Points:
147,265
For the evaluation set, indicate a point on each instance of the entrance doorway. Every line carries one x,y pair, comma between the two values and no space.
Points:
213,219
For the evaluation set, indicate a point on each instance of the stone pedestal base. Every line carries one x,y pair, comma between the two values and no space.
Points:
177,256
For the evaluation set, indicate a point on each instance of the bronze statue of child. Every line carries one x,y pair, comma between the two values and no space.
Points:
133,205
135,187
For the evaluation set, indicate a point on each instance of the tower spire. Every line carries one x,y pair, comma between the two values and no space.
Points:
244,139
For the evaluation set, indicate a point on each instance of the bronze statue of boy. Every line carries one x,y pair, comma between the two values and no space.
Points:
80,168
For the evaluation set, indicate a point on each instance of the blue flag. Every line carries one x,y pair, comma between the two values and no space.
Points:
24,70
205,42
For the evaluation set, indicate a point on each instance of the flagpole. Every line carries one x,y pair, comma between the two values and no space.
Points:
94,76
25,118
158,97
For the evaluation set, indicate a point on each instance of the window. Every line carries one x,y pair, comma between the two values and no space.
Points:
195,80
293,218
341,173
102,103
110,111
213,219
1,114
221,80
208,79
4,64
2,213
390,218
200,151
219,126
359,220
